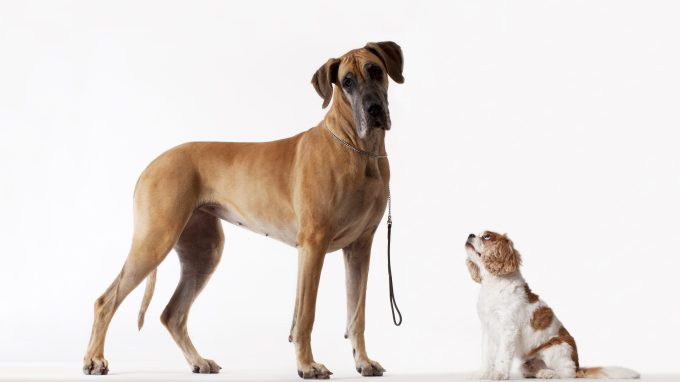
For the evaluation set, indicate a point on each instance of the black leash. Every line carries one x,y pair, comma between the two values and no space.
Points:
393,301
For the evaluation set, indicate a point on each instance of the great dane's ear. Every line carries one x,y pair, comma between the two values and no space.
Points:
324,78
390,53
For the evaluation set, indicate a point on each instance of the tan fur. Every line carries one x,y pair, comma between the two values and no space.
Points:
591,372
499,256
308,191
474,271
542,318
146,300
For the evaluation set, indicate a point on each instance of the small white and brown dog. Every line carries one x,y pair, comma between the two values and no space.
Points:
516,323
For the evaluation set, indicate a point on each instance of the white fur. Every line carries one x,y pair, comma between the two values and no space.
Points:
505,314
616,372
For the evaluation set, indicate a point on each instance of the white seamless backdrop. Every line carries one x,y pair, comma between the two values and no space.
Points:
554,121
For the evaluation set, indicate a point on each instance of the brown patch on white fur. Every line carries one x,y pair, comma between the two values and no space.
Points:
570,340
474,271
563,336
542,318
499,255
531,296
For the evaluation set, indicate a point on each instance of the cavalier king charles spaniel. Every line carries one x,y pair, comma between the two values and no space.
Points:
516,323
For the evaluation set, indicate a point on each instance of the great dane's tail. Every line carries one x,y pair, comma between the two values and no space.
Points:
148,293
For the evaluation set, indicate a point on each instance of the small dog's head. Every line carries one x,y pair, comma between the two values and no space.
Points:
492,253
360,77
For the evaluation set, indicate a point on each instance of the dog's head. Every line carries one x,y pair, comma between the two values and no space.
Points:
360,78
492,253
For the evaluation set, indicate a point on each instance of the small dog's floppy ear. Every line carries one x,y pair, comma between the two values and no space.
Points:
390,54
501,258
324,78
474,271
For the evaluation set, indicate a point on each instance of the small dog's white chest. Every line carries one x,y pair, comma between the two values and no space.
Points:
498,304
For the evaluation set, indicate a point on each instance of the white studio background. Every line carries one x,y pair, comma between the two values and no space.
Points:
554,121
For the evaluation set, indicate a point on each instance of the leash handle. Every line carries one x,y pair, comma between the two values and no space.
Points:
393,301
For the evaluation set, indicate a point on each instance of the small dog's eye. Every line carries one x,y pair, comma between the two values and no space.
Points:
486,237
347,82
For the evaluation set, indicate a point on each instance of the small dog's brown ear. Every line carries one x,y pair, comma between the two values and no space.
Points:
390,54
324,78
474,271
501,257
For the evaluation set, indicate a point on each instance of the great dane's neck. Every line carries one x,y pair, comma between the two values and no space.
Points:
340,119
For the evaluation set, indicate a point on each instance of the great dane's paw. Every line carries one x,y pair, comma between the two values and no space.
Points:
546,374
314,371
370,368
205,366
95,366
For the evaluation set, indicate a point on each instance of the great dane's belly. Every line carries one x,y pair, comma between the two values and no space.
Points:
285,233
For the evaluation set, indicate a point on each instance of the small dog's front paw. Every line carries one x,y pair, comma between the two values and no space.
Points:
546,374
482,374
497,375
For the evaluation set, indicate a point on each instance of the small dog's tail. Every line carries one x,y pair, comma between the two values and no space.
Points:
148,293
614,372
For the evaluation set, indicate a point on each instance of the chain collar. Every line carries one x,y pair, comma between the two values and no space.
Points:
355,149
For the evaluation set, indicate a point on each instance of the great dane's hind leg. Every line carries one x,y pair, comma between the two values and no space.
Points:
357,258
200,249
312,250
159,218
148,251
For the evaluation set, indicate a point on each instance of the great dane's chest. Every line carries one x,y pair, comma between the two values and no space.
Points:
359,210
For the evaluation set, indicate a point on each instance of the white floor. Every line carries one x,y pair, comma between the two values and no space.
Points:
71,372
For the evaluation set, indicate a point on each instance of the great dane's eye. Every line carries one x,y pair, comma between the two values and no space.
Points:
374,71
486,237
347,83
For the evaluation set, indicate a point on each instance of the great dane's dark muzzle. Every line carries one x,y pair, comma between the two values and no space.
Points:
372,111
376,112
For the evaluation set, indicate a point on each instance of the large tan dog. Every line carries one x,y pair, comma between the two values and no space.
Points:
320,191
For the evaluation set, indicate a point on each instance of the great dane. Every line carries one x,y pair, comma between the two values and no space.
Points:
322,190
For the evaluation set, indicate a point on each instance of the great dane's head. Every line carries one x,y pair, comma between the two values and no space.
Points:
360,77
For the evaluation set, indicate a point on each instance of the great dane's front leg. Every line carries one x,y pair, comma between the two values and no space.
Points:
312,250
357,259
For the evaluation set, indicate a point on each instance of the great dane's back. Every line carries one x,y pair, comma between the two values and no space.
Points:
246,184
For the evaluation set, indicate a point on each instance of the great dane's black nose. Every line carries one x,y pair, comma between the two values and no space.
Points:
374,110
471,236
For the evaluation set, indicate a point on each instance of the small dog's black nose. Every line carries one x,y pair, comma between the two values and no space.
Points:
374,110
471,236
